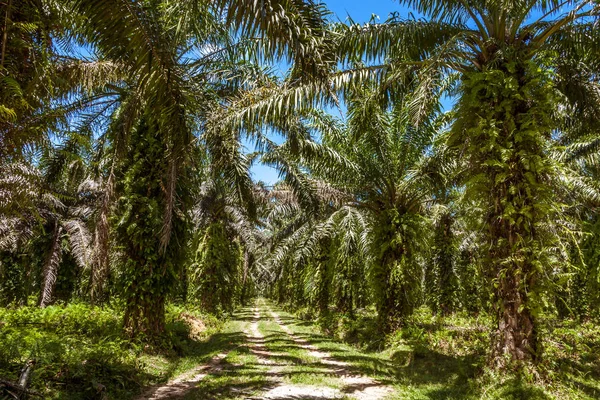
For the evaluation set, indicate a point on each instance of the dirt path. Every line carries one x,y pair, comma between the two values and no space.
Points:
359,387
273,362
183,384
276,372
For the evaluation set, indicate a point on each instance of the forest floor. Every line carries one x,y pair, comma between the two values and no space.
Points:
274,356
263,352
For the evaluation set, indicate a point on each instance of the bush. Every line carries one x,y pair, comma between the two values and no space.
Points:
78,348
81,352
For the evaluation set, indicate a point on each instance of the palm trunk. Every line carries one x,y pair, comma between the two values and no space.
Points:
323,291
396,276
146,316
505,119
149,270
5,33
445,276
516,337
323,280
248,260
394,300
100,264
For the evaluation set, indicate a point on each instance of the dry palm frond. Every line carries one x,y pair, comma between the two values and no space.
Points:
50,268
20,185
80,240
14,232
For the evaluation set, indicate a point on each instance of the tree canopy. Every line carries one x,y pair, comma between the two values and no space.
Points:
124,178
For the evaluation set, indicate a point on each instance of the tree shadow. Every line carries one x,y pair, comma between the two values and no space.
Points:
244,315
230,386
437,375
581,371
204,351
518,389
591,391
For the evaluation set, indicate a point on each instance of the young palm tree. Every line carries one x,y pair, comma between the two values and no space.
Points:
372,161
386,149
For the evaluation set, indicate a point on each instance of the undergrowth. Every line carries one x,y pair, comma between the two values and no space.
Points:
80,351
456,347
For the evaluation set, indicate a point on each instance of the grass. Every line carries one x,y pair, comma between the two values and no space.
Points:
81,353
444,358
240,375
300,366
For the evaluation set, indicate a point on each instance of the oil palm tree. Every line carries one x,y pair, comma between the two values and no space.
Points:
371,160
181,64
441,169
25,54
61,219
224,240
386,149
520,65
172,61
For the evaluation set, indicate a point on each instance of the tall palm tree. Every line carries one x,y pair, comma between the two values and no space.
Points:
180,62
520,64
177,62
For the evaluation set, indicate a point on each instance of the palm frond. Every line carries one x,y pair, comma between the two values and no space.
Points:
50,268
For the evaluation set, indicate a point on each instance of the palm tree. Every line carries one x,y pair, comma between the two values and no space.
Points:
224,241
371,160
579,295
520,64
386,149
180,65
25,52
151,110
441,168
61,217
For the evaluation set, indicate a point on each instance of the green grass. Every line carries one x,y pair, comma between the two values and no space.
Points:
81,353
300,367
239,375
444,358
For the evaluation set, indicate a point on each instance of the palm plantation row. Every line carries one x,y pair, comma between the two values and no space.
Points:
124,178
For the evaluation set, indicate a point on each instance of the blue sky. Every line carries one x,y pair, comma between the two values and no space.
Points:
360,11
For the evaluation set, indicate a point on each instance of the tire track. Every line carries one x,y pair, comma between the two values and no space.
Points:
360,387
355,386
184,383
282,390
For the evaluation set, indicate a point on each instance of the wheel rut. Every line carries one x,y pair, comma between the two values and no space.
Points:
278,356
356,386
276,372
184,383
